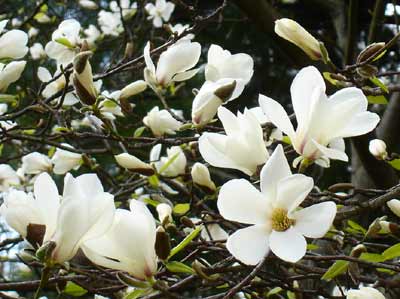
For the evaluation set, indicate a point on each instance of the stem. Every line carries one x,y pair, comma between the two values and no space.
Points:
43,281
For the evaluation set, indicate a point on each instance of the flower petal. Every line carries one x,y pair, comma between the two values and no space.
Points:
289,245
332,153
249,245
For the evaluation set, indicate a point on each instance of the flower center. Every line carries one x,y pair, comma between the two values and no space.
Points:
280,220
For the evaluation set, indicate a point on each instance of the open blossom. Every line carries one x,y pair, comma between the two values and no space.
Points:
179,29
174,65
37,51
10,73
110,23
174,154
322,122
64,160
161,122
92,34
276,222
13,43
129,244
35,163
275,134
128,9
296,34
8,177
65,42
160,12
242,147
365,293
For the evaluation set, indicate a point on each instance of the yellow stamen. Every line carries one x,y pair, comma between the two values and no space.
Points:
280,220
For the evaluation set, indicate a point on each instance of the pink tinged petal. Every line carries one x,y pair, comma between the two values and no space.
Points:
249,245
292,190
302,89
277,115
289,245
273,171
240,201
331,153
315,221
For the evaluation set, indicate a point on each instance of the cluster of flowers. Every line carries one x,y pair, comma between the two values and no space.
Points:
84,216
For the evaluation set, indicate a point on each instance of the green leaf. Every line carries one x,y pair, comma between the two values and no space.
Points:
312,247
379,83
136,294
153,181
74,290
139,131
356,227
185,241
65,42
328,77
151,202
181,208
392,252
395,163
377,100
109,104
336,269
178,267
372,257
8,98
274,291
286,140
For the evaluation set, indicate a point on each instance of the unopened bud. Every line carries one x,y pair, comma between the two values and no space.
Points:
132,163
225,92
367,71
394,206
162,245
377,148
187,222
201,177
369,51
129,49
164,213
83,78
358,250
133,89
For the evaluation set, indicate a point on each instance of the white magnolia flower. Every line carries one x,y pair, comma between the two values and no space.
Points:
65,42
179,29
35,163
276,134
3,108
82,79
55,86
174,64
174,154
242,147
129,244
161,122
160,12
164,212
128,9
37,51
13,43
86,212
296,34
10,73
64,160
394,206
222,64
108,107
32,32
322,123
110,23
276,222
88,4
132,163
92,34
8,177
365,293
201,176
377,148
211,96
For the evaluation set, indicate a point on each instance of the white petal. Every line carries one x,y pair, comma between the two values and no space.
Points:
273,171
44,74
277,115
148,60
332,153
13,44
394,206
185,75
315,221
249,245
289,245
229,121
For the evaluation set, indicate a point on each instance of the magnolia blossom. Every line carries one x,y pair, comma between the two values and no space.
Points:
3,108
12,43
365,293
179,29
159,12
35,163
132,163
109,108
174,64
32,32
394,206
132,89
164,212
37,51
55,86
88,4
110,23
161,122
10,73
322,123
129,244
83,79
92,34
64,160
201,176
296,34
275,134
8,177
65,42
128,9
276,222
377,148
175,158
242,147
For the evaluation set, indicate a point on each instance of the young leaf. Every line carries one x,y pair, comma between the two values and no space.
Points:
392,252
185,241
336,269
178,267
74,290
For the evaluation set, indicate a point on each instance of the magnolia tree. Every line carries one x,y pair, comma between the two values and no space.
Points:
126,171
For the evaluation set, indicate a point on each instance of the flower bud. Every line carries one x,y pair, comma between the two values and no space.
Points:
201,177
132,163
296,34
358,250
162,245
83,78
377,148
369,51
394,206
164,213
365,292
133,89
